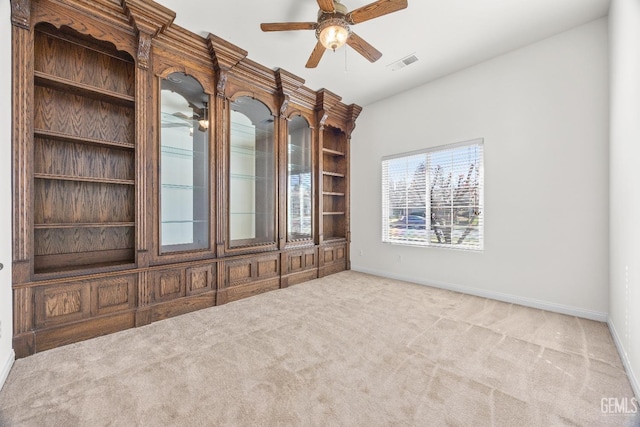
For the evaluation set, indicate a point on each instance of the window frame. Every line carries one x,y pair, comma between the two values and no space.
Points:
407,232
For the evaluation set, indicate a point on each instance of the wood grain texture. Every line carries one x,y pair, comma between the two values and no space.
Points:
81,160
268,268
113,294
145,289
23,310
180,306
244,291
143,162
82,202
90,20
375,10
90,328
85,168
21,13
200,279
65,262
363,48
22,113
299,277
168,284
61,304
239,273
296,262
79,116
78,240
334,205
88,64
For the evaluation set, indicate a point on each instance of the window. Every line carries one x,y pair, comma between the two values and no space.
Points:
434,197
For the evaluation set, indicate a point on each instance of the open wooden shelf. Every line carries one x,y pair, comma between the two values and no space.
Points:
83,155
84,268
84,225
328,239
82,89
85,179
336,174
331,152
61,136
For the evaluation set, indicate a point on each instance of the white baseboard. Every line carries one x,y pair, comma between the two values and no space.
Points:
514,299
625,359
6,367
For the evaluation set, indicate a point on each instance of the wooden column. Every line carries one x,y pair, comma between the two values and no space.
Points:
22,111
149,19
225,57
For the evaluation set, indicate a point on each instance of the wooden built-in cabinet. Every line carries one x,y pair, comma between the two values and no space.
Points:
157,172
83,153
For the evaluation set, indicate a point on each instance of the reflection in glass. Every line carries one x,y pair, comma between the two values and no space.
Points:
299,204
184,164
251,174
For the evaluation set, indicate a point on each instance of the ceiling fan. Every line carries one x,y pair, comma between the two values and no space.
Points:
333,27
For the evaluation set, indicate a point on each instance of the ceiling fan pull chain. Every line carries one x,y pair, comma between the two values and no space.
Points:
346,69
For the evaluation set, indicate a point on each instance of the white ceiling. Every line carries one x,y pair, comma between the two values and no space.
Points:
445,35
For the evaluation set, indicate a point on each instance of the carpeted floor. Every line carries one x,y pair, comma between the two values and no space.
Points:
346,350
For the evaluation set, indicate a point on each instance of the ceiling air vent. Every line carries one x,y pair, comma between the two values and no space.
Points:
401,63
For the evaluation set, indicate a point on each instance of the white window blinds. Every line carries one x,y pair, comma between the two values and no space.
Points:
434,197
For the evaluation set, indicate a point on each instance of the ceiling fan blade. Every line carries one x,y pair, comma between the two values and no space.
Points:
326,5
288,26
363,48
316,55
375,9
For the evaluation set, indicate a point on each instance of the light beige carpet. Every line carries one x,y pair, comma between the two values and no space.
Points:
346,350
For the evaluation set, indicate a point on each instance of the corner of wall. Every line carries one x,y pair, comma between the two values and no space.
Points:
633,379
6,368
7,355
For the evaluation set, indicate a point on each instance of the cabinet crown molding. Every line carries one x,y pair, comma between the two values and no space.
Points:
225,55
147,16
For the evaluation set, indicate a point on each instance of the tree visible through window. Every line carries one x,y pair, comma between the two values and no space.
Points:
434,197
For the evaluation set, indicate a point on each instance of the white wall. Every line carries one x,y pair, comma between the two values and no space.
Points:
543,113
6,318
624,293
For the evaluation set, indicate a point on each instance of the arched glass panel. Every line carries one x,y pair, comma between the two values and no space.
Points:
184,164
299,183
251,174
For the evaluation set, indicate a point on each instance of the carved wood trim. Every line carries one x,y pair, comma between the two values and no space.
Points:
143,163
21,13
325,101
100,28
144,290
144,50
225,57
23,316
353,111
135,293
149,18
22,112
288,85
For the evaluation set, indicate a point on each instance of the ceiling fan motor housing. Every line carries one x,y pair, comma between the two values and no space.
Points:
336,18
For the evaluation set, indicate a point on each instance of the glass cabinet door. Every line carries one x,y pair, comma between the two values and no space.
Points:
184,164
299,196
251,174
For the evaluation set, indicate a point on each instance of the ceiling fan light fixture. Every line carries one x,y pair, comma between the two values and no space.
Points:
333,33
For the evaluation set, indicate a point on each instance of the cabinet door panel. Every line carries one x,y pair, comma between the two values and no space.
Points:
184,165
